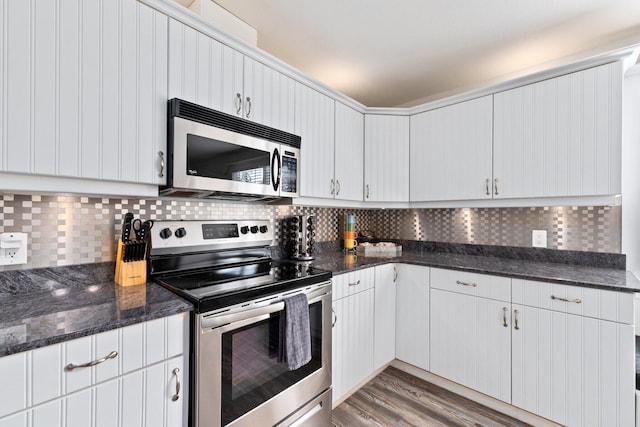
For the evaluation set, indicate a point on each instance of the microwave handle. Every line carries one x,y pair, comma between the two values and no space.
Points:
275,160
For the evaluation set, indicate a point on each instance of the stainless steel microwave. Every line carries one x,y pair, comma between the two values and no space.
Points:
211,154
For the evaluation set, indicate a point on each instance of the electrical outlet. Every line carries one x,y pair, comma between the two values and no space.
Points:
539,238
13,248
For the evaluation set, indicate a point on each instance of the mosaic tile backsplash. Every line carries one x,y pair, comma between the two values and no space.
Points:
65,230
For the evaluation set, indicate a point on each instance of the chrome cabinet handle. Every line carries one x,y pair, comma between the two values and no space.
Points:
249,105
161,173
176,396
367,187
395,274
354,284
577,300
515,320
333,186
337,187
504,317
335,317
486,185
238,103
72,366
495,186
466,284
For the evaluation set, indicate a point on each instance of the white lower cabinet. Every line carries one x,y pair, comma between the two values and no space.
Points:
564,353
471,341
384,340
122,391
574,370
412,315
352,337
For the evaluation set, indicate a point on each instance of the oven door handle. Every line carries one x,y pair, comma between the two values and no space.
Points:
252,315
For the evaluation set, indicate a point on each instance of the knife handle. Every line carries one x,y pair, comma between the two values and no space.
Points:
126,227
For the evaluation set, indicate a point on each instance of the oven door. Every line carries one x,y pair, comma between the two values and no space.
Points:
208,158
238,380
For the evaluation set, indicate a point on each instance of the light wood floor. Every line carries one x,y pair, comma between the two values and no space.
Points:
395,398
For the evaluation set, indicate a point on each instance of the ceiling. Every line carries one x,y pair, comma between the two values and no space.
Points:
404,53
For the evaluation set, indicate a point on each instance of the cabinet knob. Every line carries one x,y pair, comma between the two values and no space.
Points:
335,317
495,186
486,185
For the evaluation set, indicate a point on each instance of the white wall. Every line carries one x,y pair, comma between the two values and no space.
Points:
631,169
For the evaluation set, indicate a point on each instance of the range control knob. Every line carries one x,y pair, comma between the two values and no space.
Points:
254,229
181,232
165,233
244,229
263,228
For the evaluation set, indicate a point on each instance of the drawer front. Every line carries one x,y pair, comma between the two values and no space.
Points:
353,282
481,285
590,302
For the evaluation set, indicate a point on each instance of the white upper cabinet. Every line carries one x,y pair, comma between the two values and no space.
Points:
85,93
269,96
451,152
560,137
314,123
386,158
203,70
349,153
209,73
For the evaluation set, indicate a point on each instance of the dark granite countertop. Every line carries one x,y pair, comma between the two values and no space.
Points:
569,274
51,305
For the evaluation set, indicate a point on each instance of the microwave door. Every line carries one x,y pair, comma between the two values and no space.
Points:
213,159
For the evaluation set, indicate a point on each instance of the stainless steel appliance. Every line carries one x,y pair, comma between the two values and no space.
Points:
225,269
211,154
300,237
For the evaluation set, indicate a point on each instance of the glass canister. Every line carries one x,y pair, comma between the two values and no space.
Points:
349,232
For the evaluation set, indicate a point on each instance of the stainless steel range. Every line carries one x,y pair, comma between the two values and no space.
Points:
225,269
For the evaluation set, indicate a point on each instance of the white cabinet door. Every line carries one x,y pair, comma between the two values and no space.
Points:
352,342
386,158
14,370
560,137
349,153
86,90
204,71
269,96
412,315
451,152
314,123
574,370
384,349
471,342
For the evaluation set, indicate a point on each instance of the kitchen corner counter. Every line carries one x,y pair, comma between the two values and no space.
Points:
51,305
569,274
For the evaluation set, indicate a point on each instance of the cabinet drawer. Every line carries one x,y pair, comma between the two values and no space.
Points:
481,285
353,282
590,302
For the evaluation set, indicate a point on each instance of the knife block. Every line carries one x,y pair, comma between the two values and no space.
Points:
129,273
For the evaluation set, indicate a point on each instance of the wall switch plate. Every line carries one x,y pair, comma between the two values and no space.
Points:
13,248
539,238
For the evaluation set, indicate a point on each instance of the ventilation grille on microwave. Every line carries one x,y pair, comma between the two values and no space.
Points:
188,110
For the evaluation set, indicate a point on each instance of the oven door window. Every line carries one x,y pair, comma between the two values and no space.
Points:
211,158
251,374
